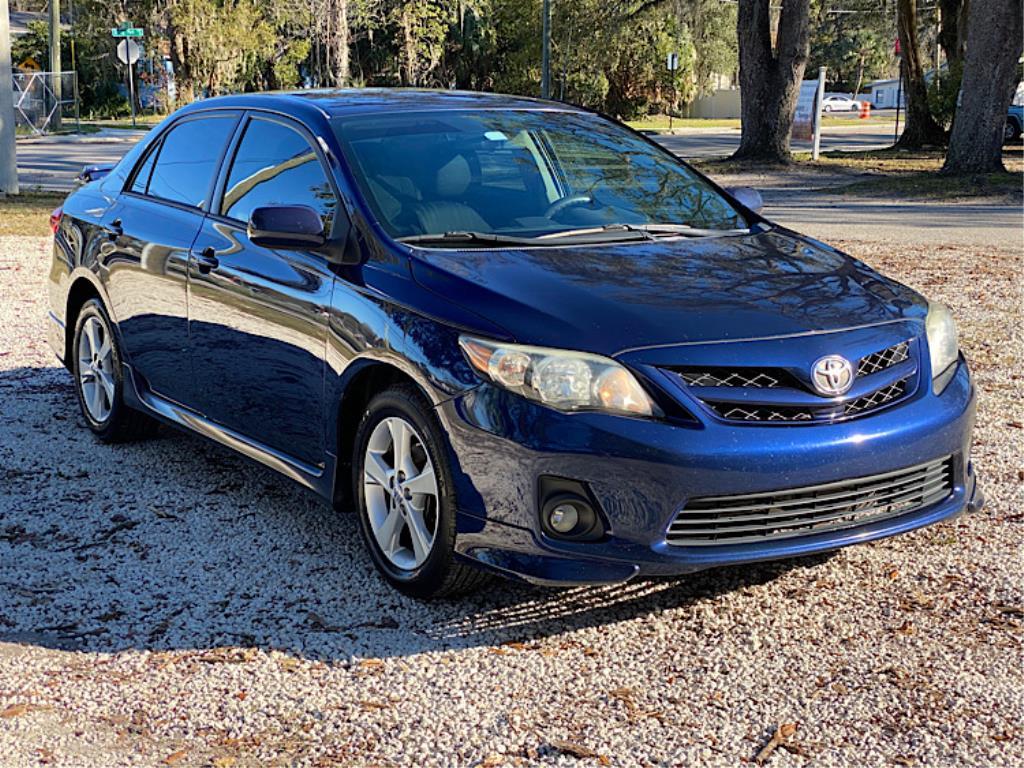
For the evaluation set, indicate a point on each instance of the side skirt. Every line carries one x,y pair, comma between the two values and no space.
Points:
320,480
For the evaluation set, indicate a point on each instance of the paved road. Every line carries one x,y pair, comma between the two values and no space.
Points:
53,163
722,142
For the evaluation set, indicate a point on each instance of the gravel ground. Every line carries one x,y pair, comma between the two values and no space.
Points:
168,603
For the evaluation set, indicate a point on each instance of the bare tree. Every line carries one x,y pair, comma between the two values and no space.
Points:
921,128
995,30
339,42
770,76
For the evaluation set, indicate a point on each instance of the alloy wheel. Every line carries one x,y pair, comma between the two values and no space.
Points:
96,369
401,493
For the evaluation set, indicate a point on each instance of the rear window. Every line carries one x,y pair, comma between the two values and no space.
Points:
187,160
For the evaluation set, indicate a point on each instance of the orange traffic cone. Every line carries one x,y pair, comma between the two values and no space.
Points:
865,110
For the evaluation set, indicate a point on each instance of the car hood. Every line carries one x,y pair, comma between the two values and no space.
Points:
610,298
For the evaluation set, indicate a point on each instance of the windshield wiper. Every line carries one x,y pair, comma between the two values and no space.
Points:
647,230
466,238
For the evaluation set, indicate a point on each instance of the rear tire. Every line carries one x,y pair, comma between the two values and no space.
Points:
1011,131
99,384
405,494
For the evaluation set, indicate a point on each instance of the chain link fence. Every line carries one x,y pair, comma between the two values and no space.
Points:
45,102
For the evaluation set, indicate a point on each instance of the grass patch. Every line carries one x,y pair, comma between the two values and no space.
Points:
914,173
932,186
142,123
660,123
889,173
28,213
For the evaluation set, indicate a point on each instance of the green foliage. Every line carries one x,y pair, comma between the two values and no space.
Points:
943,93
226,44
855,45
605,55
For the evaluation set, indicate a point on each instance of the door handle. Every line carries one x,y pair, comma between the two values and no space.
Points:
115,230
207,260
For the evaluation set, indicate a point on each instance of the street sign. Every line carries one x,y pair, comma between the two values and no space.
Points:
673,62
126,30
128,51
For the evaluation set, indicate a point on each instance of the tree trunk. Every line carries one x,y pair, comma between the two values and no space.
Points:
770,78
339,42
953,30
407,69
994,44
921,128
860,76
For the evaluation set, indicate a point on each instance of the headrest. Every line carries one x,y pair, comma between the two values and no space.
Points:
453,177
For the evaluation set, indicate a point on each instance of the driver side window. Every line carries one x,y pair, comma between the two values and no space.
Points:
276,165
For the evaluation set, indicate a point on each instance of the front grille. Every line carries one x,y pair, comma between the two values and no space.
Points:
868,402
757,407
801,511
884,358
731,377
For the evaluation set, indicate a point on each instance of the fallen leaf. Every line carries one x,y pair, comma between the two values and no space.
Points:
781,735
241,695
371,663
175,757
15,709
572,748
225,761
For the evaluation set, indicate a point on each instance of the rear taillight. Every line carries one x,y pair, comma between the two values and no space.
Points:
55,218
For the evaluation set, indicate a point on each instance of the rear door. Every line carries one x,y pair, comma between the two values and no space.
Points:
149,234
258,317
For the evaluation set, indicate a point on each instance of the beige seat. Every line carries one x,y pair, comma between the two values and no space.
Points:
450,214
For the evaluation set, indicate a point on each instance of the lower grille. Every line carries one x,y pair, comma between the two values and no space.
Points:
814,509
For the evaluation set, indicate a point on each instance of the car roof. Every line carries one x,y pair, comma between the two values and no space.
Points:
351,101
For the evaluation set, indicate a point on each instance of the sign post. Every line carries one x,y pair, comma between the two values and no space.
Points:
673,65
815,151
128,52
8,148
807,117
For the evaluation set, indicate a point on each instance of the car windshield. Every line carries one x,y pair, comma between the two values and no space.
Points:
501,177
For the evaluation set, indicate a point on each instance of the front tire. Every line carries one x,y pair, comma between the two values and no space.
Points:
1011,131
404,489
99,384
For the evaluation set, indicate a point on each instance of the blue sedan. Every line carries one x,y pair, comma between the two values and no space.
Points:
515,336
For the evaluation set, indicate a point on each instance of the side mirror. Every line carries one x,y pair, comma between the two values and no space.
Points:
748,197
291,227
93,173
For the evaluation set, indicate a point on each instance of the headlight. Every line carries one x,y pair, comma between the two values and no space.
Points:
568,381
943,348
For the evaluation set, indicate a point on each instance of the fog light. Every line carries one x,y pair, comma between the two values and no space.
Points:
564,518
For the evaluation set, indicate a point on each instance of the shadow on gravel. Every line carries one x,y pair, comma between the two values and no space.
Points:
177,544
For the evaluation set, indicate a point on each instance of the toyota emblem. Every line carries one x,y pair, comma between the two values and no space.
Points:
832,375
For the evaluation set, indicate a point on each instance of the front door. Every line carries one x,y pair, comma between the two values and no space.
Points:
258,317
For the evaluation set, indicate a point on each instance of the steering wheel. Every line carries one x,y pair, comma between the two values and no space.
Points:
566,202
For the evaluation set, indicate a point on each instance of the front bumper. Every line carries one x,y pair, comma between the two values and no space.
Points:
641,473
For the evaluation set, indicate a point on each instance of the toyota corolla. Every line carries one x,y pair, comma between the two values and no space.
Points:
515,336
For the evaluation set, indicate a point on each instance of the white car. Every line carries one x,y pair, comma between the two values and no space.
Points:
837,103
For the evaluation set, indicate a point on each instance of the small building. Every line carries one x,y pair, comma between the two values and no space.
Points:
885,92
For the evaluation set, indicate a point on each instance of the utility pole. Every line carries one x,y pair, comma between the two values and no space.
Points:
545,56
55,60
8,158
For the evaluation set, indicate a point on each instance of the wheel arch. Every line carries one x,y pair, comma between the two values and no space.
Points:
363,379
81,290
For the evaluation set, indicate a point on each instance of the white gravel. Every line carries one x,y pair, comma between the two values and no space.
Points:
169,603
